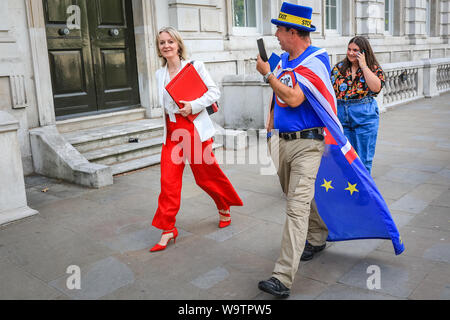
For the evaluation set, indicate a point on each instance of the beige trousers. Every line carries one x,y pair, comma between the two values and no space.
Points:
297,163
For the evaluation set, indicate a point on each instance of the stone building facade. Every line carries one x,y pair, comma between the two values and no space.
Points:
69,66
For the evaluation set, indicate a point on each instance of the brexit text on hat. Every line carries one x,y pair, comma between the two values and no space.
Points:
293,19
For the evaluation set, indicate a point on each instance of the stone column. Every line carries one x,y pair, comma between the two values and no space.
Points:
399,18
4,21
13,201
146,55
201,25
435,7
430,78
317,16
415,19
248,91
41,66
370,18
445,22
348,18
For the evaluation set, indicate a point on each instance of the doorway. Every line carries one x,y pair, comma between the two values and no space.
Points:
92,56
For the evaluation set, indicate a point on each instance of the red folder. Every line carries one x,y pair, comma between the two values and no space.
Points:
187,85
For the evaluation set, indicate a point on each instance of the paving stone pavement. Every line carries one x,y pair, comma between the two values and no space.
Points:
107,232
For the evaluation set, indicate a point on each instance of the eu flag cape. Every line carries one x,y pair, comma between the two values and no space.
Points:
347,198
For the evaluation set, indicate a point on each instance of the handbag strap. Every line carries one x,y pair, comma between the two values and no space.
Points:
210,108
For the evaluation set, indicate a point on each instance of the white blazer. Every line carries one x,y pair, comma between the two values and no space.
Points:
202,123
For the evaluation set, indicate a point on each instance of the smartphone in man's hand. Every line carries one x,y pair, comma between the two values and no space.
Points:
262,50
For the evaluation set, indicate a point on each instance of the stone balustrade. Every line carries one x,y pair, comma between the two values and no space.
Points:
443,77
403,82
246,98
409,81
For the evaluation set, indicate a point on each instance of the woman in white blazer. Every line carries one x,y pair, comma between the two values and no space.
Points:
186,140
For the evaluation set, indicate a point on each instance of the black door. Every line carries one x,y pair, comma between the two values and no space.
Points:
93,67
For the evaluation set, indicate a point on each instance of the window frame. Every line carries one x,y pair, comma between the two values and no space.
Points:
390,11
245,31
338,30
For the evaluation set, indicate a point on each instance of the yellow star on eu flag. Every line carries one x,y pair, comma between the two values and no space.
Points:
327,184
351,188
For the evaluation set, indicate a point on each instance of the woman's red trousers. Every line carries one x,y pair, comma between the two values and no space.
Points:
183,143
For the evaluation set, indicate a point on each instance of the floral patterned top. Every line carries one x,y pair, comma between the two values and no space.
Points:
345,89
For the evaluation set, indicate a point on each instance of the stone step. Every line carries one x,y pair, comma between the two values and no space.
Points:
107,136
100,120
109,144
124,152
135,164
143,162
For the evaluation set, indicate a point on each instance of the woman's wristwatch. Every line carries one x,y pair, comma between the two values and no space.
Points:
266,76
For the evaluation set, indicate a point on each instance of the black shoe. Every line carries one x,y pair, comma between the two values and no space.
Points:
274,287
310,250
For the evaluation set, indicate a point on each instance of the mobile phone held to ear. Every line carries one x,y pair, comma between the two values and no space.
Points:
262,49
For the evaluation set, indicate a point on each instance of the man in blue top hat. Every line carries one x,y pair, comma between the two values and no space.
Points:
296,144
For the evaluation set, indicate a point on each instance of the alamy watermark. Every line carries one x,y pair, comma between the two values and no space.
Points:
74,20
374,280
74,280
244,148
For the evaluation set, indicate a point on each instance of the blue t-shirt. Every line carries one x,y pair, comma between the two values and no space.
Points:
288,119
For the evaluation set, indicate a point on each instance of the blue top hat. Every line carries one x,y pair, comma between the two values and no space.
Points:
295,16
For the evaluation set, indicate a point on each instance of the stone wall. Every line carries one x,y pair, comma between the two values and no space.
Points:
227,51
16,76
207,26
247,98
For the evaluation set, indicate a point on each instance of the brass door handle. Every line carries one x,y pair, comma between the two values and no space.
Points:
114,32
63,31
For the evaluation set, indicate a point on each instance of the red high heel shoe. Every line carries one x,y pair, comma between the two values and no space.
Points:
159,247
223,224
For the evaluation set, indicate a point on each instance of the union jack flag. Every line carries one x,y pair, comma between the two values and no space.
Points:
346,195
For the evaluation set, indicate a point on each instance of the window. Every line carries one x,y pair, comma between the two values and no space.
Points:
388,16
333,15
245,13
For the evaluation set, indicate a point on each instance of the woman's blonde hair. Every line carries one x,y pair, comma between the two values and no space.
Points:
177,37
